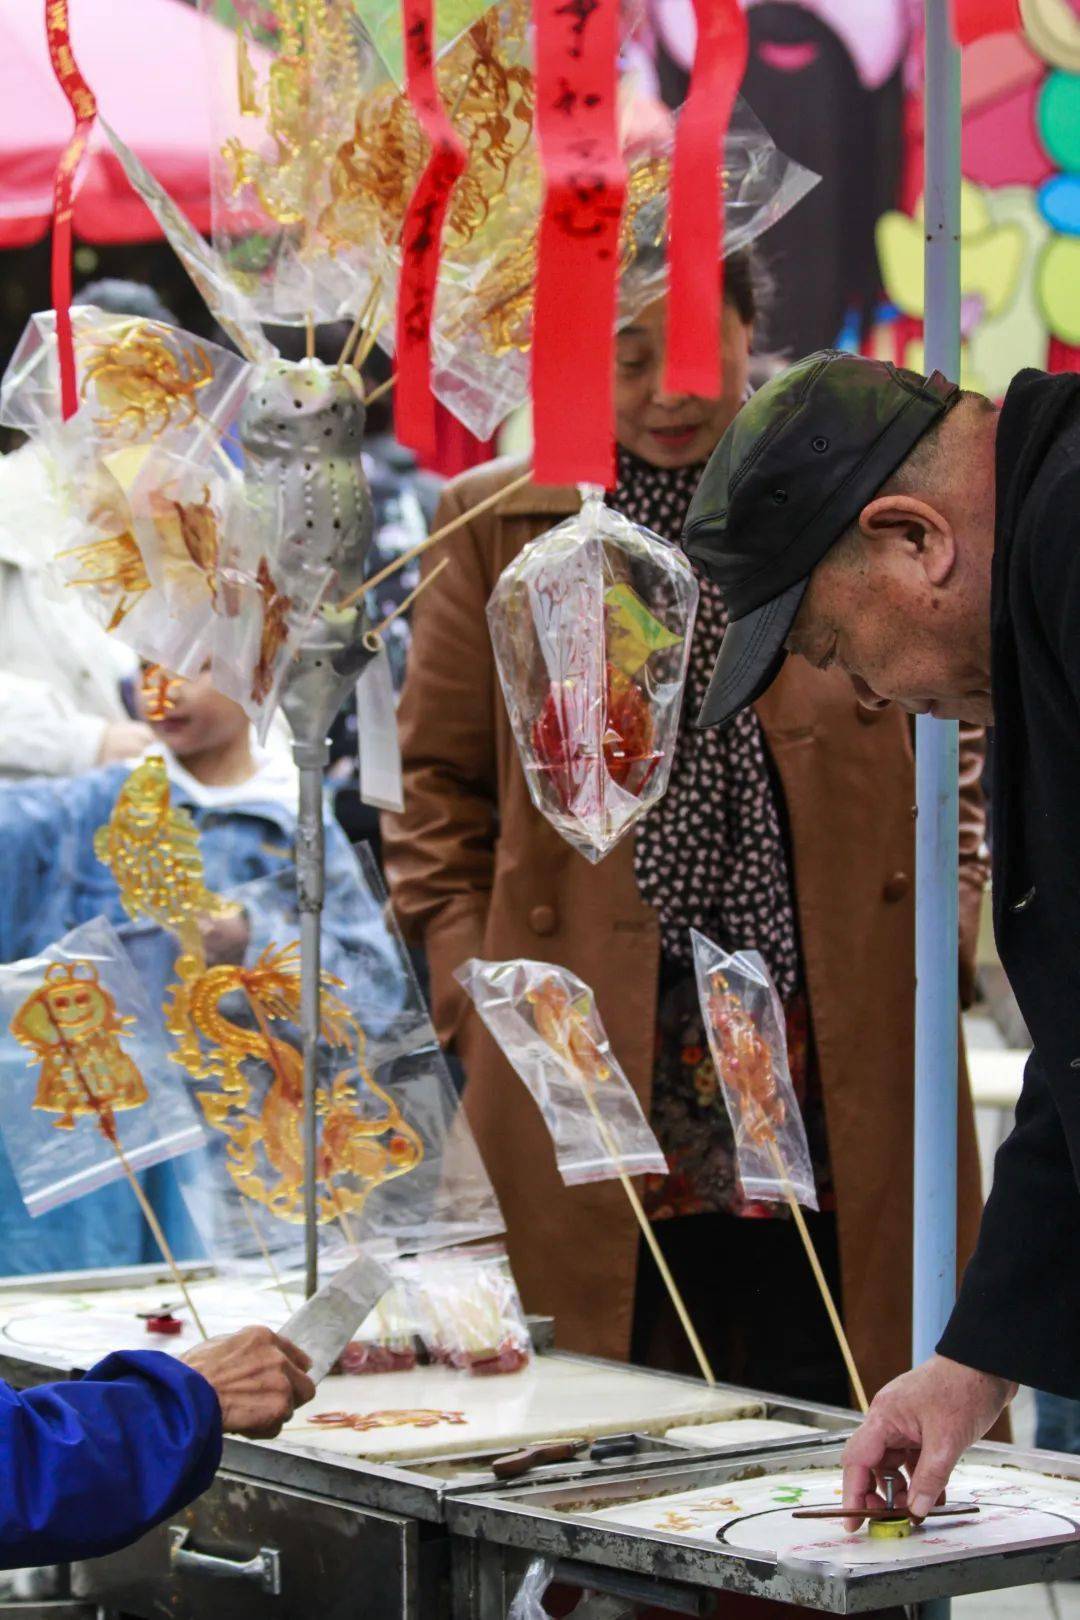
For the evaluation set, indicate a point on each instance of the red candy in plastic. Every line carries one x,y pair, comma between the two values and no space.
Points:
560,741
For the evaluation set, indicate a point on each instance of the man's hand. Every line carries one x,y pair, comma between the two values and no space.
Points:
123,739
259,1379
921,1421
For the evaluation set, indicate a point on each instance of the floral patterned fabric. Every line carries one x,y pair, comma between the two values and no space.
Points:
712,855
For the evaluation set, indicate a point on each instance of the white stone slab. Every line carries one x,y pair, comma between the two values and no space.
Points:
436,1411
742,1432
1017,1509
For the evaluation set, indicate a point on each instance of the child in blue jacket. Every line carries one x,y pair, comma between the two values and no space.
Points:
243,799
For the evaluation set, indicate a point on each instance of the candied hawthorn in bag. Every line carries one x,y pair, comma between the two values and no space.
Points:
744,1021
591,628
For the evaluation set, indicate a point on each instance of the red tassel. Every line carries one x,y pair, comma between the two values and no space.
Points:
84,106
421,233
972,19
573,353
696,233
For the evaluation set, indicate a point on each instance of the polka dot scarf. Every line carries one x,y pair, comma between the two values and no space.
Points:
711,855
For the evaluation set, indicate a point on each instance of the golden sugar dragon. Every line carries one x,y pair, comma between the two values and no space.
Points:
356,1153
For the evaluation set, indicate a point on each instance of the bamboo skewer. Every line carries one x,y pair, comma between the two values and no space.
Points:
309,337
368,342
433,539
373,638
383,388
367,309
611,1147
107,1126
159,1236
819,1275
267,1256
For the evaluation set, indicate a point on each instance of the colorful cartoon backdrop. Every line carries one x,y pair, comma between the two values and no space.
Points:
838,84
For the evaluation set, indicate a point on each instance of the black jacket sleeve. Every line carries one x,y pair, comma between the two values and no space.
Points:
1018,1314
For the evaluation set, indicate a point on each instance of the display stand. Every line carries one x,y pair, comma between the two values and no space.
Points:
302,434
937,773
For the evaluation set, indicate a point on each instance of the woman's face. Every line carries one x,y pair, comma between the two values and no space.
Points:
673,430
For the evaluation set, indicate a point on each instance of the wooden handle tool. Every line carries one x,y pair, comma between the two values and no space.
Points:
883,1515
516,1463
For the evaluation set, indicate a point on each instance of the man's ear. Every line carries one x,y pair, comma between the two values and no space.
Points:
923,531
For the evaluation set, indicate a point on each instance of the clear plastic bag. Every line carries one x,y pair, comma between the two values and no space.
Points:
591,628
761,185
387,1339
528,1603
744,1019
400,1171
461,1309
140,382
484,310
84,1065
546,1024
470,1313
273,144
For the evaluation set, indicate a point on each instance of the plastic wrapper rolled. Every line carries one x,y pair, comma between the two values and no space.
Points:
591,628
387,1339
470,1313
744,1019
546,1024
460,1307
399,1171
84,1067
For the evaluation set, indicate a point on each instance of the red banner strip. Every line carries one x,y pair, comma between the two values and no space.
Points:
973,19
696,219
84,107
421,234
573,351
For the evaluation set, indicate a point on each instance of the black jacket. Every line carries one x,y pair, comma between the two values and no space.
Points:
1018,1314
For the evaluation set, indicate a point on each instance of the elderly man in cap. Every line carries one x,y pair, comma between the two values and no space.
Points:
928,544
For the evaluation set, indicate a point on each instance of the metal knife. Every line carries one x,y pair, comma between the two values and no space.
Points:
325,1323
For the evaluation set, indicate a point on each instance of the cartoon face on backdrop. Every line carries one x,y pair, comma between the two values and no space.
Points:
825,78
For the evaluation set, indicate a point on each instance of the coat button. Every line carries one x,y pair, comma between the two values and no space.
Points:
542,919
896,887
1024,900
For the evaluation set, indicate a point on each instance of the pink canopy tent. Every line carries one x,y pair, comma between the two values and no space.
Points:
147,62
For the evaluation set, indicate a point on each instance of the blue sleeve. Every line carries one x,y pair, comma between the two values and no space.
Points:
47,827
90,1465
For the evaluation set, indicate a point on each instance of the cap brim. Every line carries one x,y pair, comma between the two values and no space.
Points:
751,654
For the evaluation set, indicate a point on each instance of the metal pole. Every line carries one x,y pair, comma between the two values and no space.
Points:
936,772
310,883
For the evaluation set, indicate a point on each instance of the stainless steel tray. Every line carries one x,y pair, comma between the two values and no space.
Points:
417,1488
557,1520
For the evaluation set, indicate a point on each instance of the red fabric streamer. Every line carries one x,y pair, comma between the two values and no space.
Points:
696,223
83,105
972,19
421,234
573,352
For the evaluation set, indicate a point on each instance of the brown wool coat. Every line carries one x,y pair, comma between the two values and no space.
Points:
474,870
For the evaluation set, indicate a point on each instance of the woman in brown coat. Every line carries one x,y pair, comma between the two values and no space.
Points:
792,834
